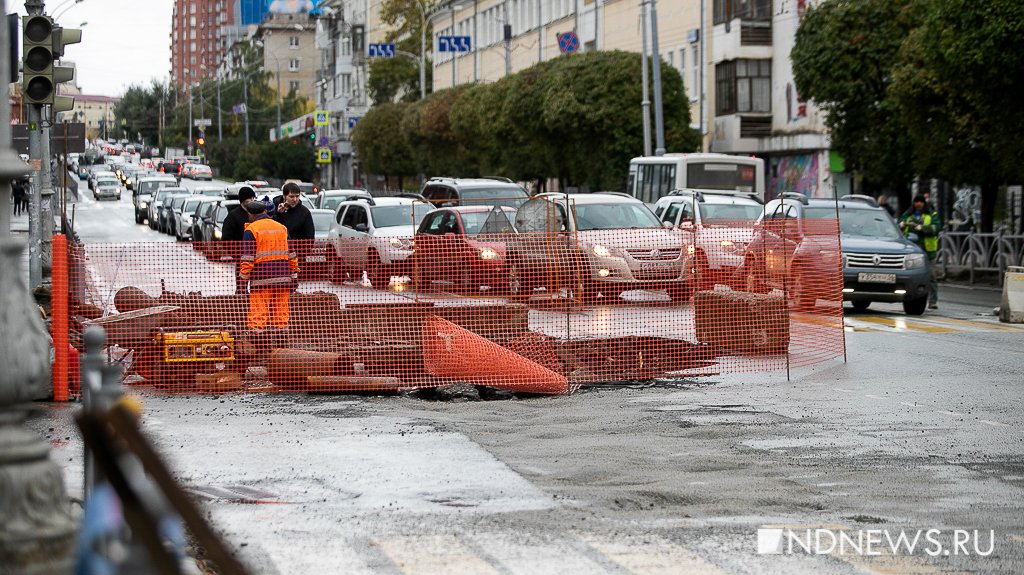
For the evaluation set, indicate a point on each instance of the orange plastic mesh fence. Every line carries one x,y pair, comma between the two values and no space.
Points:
467,300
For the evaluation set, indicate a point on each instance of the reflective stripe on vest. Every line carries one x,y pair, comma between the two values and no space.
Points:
271,240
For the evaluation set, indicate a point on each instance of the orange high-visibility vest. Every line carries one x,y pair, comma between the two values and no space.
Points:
268,263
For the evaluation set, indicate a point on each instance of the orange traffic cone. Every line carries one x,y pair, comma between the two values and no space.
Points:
452,351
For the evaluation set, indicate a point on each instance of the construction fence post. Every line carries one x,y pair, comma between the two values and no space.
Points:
59,312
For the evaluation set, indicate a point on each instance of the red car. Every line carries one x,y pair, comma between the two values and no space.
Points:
464,247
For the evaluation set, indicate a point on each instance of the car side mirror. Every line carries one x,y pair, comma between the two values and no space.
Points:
686,224
362,228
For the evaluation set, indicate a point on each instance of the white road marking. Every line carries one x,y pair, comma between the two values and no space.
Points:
426,555
953,413
650,555
993,423
908,404
872,396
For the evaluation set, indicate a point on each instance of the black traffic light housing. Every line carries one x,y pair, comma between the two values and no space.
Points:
43,44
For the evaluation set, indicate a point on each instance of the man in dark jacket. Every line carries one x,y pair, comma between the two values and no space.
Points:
232,231
297,218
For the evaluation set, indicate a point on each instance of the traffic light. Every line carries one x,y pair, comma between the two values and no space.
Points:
43,46
201,140
312,137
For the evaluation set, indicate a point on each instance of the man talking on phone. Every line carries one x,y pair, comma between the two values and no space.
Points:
296,217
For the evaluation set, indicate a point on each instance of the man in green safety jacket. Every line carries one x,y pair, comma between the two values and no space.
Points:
922,221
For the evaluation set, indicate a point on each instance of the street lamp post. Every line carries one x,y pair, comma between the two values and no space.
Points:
423,49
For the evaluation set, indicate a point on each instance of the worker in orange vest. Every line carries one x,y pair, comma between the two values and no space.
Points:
271,269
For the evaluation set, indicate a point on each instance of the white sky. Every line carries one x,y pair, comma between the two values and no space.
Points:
125,41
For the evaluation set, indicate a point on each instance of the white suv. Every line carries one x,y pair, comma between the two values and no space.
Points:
721,224
375,236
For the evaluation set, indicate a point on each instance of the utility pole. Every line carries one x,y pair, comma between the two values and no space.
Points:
245,104
220,134
423,49
659,124
507,29
190,115
160,121
645,102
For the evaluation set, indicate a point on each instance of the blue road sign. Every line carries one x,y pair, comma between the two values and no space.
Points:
324,141
352,121
382,50
454,44
568,43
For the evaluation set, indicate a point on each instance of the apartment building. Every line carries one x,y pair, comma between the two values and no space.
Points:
196,44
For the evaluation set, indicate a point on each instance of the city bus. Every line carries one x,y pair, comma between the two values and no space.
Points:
651,177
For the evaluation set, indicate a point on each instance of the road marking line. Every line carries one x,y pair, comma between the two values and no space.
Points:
908,404
650,555
429,554
892,564
843,390
993,423
1017,538
953,413
874,396
901,324
982,324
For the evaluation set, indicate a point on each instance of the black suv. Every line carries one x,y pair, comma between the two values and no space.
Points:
491,191
794,245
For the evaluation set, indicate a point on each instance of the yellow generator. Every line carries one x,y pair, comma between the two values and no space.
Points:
176,356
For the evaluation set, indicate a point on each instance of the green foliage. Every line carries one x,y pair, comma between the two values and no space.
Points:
576,118
958,82
383,148
842,59
390,78
138,112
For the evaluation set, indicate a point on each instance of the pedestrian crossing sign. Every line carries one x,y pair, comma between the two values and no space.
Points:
323,155
321,117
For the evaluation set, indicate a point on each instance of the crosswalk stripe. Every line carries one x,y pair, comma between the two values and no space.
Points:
965,322
901,324
430,554
522,553
650,555
895,564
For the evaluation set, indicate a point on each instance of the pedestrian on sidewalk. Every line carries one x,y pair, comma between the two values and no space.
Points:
232,232
270,268
20,196
922,221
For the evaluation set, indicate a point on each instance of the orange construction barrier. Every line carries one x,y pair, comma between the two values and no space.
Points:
59,312
454,352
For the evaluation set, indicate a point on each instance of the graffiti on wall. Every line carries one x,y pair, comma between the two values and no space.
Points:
795,174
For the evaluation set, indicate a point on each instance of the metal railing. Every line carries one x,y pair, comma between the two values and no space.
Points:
979,252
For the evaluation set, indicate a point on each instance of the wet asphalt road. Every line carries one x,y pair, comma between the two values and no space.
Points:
922,428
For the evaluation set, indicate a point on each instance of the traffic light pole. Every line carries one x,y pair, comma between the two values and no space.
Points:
35,236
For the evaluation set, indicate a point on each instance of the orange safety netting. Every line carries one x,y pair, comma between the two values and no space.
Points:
470,301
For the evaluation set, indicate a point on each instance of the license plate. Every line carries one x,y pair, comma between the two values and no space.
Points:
656,267
316,258
876,278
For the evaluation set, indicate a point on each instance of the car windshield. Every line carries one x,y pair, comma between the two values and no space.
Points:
322,222
177,202
332,202
729,211
400,215
509,197
473,222
106,182
614,216
190,206
151,187
859,222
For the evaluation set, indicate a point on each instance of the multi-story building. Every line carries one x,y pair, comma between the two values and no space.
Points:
287,45
196,43
97,113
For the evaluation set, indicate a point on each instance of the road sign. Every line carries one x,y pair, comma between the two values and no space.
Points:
202,122
454,44
568,43
321,118
323,155
324,140
238,109
75,142
382,50
352,121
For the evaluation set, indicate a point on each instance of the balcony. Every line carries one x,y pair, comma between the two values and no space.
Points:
755,33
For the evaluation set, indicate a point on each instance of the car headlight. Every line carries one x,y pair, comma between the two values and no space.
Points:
216,234
829,257
488,254
128,182
601,251
690,250
914,261
143,205
401,243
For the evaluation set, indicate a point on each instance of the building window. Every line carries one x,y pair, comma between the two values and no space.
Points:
695,82
743,86
293,65
727,10
192,21
293,85
293,42
346,84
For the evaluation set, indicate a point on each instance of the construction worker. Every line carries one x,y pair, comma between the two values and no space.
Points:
232,231
271,269
922,221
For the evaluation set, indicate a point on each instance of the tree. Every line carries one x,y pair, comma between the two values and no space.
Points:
958,83
138,112
400,75
383,148
842,59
